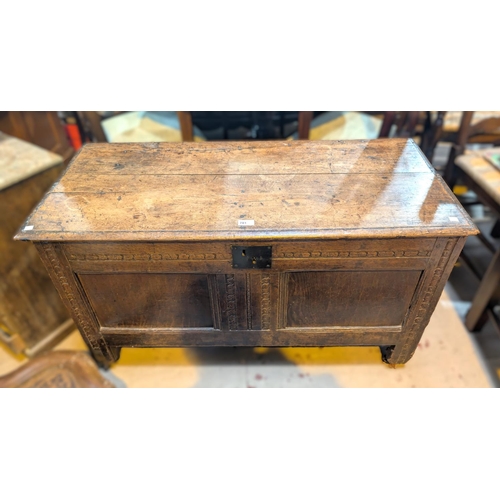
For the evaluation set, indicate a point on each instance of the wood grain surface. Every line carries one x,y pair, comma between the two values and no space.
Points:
302,189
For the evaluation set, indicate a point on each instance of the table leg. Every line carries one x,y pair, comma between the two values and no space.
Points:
477,315
395,354
104,361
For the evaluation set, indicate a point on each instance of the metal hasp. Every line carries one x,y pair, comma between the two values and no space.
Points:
252,257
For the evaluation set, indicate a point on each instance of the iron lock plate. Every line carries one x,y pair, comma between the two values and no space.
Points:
252,257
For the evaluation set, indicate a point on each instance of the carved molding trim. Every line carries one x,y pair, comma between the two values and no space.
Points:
423,306
248,300
265,302
147,256
232,318
81,318
353,254
219,256
283,279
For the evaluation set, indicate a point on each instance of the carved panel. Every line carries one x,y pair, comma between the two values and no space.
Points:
425,302
265,302
150,300
87,329
352,298
248,300
232,318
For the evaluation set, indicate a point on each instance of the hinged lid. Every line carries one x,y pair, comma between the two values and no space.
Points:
282,189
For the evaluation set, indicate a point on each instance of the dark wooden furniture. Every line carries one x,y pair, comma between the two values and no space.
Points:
32,316
483,179
186,124
268,124
42,128
485,131
246,125
405,123
90,122
449,126
304,124
452,121
290,243
394,123
263,124
57,370
432,132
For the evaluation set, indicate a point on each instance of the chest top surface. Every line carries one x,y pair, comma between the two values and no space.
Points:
293,190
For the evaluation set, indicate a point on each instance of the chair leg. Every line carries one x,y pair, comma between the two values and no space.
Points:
477,315
186,125
495,231
389,117
450,173
304,127
432,133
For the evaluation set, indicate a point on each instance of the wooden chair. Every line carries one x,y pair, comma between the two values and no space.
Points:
483,179
57,369
186,123
404,123
32,316
485,131
432,131
42,128
394,124
444,126
90,122
453,119
266,122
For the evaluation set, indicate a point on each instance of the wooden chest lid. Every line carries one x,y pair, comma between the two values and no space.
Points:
289,189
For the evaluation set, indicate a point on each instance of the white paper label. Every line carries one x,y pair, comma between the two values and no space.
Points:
28,228
453,219
246,222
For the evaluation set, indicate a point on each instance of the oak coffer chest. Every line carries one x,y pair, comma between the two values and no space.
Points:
250,244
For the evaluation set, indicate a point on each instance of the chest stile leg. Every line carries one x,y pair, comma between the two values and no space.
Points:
73,297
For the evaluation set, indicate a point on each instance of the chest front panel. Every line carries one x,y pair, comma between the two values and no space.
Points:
345,291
